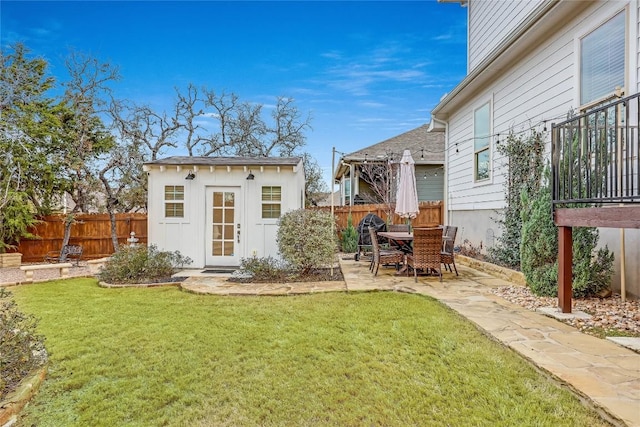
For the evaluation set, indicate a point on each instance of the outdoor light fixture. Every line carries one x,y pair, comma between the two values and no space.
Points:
422,155
251,176
190,176
365,158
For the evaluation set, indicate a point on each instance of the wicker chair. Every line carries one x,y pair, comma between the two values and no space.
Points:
447,256
383,256
427,246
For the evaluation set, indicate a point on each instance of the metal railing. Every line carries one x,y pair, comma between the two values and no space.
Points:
595,157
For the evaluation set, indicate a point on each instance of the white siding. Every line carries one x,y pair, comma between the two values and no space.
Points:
532,89
541,86
188,234
491,21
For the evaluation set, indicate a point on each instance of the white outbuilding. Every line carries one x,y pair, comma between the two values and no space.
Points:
218,210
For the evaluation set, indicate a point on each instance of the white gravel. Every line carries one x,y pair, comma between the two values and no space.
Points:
607,314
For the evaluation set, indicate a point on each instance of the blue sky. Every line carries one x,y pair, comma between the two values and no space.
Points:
365,71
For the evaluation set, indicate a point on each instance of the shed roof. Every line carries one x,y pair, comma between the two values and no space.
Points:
227,161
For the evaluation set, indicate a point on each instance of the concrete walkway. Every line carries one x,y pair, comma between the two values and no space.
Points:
604,373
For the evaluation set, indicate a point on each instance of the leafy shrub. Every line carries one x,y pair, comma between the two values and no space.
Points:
349,237
525,161
21,349
306,240
592,271
141,264
266,269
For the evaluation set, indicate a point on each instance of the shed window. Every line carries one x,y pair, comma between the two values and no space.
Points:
481,142
602,57
271,201
174,201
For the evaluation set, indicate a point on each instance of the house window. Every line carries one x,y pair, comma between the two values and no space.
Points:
174,201
347,190
271,202
481,139
602,57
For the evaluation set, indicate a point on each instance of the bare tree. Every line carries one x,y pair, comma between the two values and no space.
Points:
380,177
122,179
248,131
188,112
287,134
315,186
139,124
225,106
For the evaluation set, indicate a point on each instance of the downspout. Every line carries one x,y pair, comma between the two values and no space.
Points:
445,198
351,184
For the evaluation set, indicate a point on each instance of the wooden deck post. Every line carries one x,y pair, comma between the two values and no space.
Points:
565,261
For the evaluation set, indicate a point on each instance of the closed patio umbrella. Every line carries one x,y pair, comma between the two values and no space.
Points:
407,194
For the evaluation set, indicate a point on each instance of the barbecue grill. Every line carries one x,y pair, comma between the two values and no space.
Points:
364,238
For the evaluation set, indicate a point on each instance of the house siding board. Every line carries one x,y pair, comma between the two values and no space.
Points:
188,234
528,85
490,22
431,187
540,86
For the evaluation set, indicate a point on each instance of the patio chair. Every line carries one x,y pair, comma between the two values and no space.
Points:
427,246
383,256
447,255
68,253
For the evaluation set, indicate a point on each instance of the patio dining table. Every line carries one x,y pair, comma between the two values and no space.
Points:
403,239
396,235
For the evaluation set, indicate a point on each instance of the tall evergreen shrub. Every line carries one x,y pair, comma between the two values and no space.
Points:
349,237
592,269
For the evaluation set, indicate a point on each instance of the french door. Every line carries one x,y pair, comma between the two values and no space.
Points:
223,231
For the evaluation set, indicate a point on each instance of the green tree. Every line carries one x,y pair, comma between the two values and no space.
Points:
30,138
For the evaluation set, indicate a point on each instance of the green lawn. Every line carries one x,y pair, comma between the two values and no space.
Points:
159,356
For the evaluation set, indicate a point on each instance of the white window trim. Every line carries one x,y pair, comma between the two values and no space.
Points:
182,218
262,202
593,25
489,180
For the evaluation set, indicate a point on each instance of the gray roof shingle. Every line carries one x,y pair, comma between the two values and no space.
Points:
419,141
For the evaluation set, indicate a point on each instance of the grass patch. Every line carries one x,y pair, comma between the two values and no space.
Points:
158,356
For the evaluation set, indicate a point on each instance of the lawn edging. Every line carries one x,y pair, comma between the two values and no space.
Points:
13,403
137,285
495,270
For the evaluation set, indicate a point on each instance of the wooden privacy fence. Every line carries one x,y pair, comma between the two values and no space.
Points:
92,231
431,213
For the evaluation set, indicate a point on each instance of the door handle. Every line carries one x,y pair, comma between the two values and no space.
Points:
238,235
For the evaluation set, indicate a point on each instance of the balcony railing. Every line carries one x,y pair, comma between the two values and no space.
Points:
595,156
